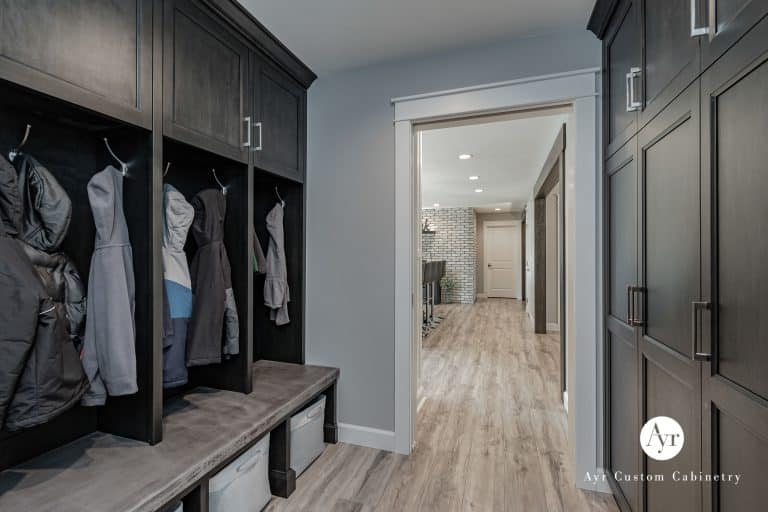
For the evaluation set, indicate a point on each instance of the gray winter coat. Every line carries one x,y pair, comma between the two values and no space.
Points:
52,380
109,355
276,291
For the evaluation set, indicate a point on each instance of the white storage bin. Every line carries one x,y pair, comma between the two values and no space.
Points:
242,486
307,436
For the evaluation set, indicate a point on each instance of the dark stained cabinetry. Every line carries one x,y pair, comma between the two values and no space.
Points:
279,117
92,53
694,321
205,82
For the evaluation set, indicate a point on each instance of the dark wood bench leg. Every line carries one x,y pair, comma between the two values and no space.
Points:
197,500
282,479
330,426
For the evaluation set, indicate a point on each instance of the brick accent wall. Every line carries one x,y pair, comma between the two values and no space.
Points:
454,242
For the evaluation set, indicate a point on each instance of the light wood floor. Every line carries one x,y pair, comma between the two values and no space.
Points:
490,434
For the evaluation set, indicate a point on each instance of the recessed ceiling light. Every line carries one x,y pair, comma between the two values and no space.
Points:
497,209
436,205
474,178
465,156
478,190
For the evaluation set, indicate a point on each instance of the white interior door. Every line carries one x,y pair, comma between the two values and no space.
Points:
503,260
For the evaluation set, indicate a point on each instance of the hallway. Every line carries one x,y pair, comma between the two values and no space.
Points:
490,435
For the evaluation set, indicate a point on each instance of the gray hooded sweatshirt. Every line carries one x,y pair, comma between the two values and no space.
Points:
109,354
276,292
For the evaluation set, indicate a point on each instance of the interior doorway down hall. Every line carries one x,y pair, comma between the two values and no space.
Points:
576,90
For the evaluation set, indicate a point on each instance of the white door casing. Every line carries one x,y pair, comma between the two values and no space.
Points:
503,259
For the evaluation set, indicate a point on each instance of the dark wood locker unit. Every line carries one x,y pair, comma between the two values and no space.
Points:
670,279
701,250
205,82
279,121
165,81
622,61
621,341
91,53
733,328
56,128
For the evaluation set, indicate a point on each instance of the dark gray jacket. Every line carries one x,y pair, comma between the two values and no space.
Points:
213,328
53,379
109,355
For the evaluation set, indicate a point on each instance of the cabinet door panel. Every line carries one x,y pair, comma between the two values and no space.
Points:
280,117
735,382
729,20
92,53
621,53
205,73
671,55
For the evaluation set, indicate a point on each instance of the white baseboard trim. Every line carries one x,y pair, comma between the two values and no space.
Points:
367,436
565,401
551,326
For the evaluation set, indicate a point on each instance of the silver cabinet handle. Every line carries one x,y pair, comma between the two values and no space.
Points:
696,307
629,304
632,292
697,31
260,146
632,104
247,143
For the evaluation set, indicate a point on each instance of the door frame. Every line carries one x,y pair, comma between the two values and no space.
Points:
500,223
552,177
580,90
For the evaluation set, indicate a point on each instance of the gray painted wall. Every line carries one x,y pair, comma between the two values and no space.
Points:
350,203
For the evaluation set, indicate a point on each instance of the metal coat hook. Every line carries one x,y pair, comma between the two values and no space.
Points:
277,192
15,152
123,165
215,177
167,166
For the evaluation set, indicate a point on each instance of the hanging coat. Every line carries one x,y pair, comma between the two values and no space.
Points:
19,289
213,306
109,355
177,286
276,292
52,380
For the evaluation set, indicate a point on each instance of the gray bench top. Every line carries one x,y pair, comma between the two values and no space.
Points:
202,429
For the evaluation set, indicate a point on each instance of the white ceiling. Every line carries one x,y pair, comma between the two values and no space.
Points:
507,156
341,34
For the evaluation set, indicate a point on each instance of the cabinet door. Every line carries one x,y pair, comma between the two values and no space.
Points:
621,356
621,60
205,70
729,20
670,273
735,328
91,53
279,122
671,53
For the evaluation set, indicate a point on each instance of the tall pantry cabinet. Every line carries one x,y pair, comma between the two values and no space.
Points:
685,106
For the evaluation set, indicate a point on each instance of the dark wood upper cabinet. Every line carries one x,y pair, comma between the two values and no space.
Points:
91,53
671,61
727,22
621,59
205,73
279,121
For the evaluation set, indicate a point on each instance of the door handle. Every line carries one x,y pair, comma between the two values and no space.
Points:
489,265
247,121
696,307
632,104
631,312
260,146
695,30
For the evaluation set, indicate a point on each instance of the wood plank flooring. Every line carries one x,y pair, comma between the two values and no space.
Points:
491,431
